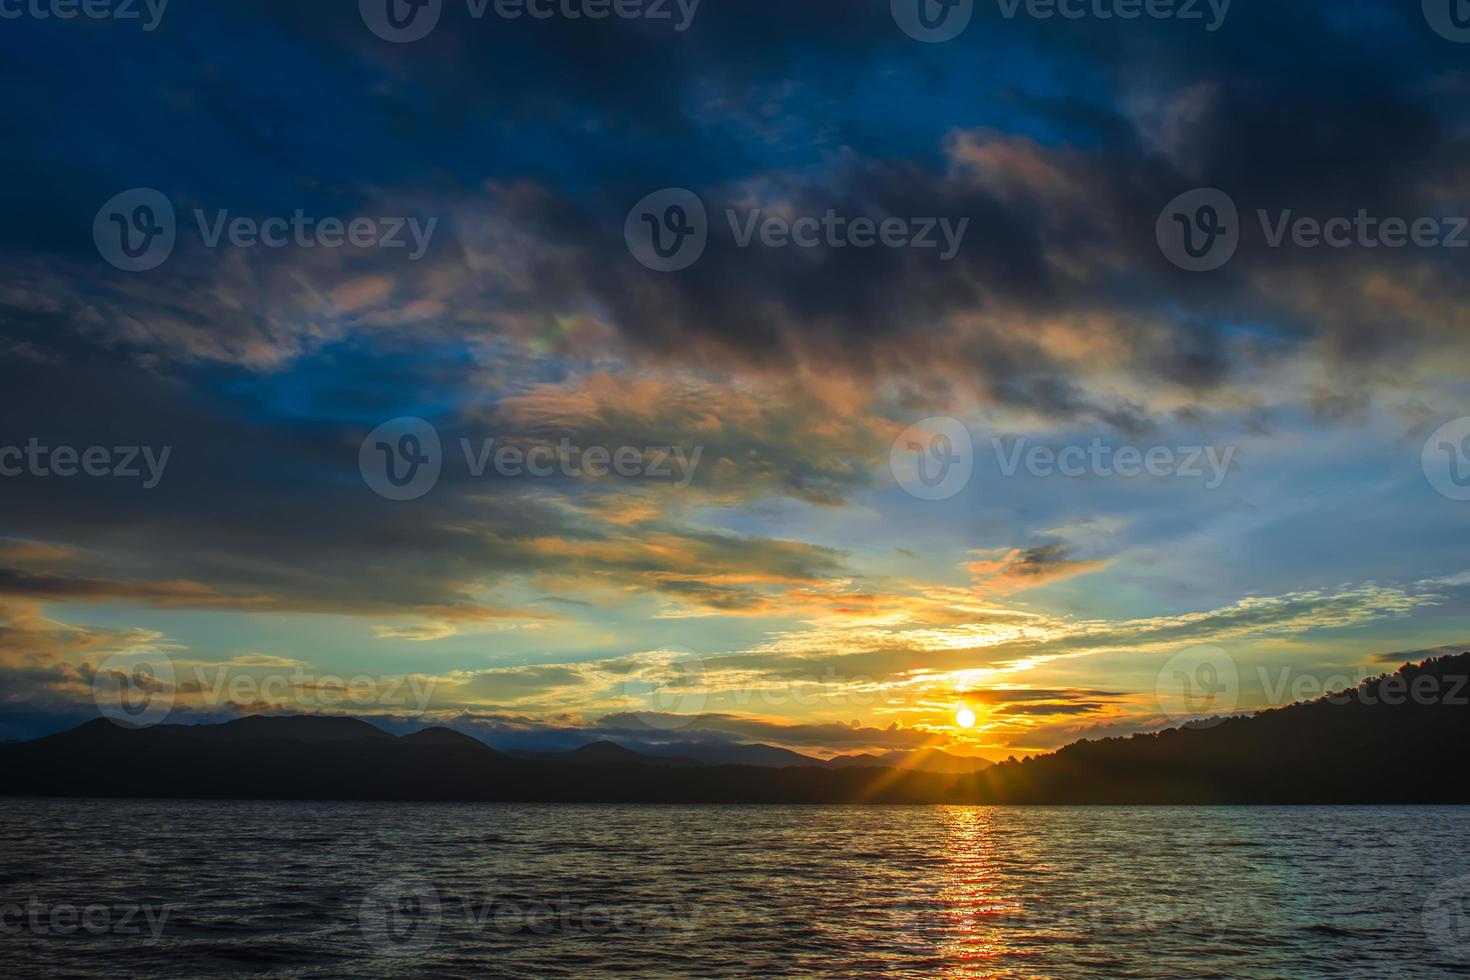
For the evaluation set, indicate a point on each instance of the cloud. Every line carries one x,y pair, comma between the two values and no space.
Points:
1072,708
49,587
1018,569
757,439
1399,658
422,631
32,553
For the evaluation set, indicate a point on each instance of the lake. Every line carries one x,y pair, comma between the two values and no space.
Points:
170,888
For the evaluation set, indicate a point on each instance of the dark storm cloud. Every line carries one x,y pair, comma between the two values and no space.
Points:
259,511
1305,109
1322,122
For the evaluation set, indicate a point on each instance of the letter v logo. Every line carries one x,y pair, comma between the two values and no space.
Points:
400,21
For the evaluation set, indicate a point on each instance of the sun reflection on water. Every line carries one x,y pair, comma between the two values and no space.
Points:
970,912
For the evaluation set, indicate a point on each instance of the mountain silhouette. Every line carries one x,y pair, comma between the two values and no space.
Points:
756,754
604,752
1377,743
1397,738
444,736
923,760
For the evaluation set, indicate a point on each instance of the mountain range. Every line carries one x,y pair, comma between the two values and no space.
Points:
769,756
1397,738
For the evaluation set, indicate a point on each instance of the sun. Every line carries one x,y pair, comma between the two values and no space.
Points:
965,718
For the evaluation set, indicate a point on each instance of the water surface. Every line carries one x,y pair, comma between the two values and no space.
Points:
329,889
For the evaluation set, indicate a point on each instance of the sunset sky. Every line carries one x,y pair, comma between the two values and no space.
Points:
792,590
